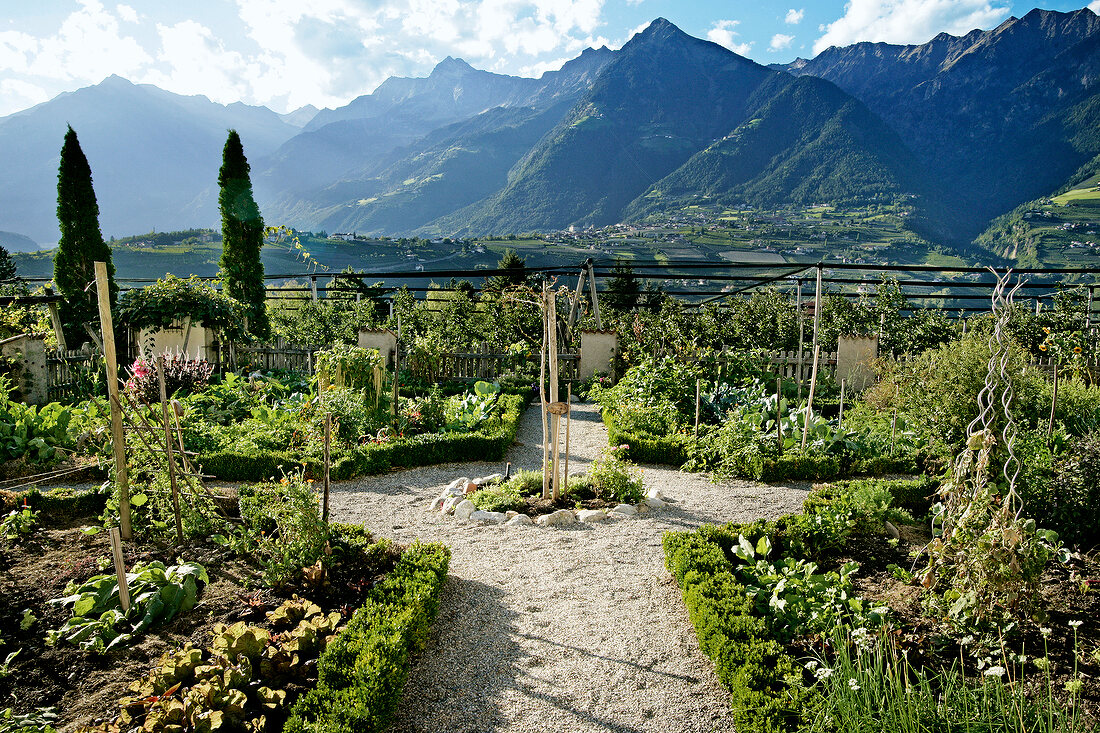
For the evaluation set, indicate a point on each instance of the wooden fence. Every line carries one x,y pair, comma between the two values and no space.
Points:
69,372
484,364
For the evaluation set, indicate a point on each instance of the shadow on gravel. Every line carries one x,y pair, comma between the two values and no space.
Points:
455,684
635,665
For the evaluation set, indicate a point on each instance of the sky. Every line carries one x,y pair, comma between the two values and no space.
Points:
290,53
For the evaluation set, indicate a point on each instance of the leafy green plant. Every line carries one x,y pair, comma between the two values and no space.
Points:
473,408
164,303
181,373
19,523
42,720
157,595
38,433
287,519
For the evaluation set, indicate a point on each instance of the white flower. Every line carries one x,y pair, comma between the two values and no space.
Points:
1076,623
994,671
853,684
1045,631
823,673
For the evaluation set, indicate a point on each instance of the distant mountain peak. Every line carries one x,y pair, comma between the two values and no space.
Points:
451,65
659,30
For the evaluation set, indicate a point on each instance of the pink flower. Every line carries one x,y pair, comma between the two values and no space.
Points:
141,369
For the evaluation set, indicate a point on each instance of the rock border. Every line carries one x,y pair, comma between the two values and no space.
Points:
453,502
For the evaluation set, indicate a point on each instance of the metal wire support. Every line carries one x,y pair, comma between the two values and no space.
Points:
996,395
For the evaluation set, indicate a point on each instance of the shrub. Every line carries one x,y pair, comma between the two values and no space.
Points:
361,673
616,479
500,498
1070,505
181,374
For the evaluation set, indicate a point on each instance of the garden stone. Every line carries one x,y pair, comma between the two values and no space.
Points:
458,483
484,516
520,520
490,479
655,494
591,515
626,510
438,502
511,513
654,502
464,509
471,487
559,518
450,504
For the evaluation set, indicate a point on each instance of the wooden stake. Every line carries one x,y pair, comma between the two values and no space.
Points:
55,320
840,417
552,330
576,304
893,430
110,357
169,450
1053,403
810,399
120,570
328,466
595,297
778,414
801,337
698,401
313,288
568,416
542,399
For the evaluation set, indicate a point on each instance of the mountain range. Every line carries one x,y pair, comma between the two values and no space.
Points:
962,128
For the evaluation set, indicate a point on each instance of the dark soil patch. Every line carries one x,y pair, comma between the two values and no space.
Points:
85,687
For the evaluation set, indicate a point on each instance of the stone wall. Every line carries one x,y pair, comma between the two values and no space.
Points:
28,352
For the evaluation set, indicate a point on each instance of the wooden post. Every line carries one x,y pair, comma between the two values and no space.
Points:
893,430
810,399
552,330
313,287
110,357
120,570
595,297
1088,313
169,450
542,399
328,466
576,304
840,417
55,320
778,414
801,336
1053,402
698,401
568,416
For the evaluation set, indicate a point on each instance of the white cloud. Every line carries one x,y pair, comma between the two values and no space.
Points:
794,17
1094,6
780,42
17,95
908,21
287,53
723,33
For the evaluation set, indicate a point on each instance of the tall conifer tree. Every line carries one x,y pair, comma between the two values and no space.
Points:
242,235
81,243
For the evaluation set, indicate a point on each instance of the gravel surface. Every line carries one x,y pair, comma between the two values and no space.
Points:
559,629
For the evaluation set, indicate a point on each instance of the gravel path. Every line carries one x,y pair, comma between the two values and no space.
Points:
559,629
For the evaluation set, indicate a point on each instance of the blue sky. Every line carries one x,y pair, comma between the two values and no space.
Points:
289,53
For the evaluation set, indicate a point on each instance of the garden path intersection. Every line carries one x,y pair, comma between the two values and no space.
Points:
576,628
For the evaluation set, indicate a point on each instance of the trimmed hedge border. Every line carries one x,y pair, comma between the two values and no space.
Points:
361,673
60,503
761,677
418,450
669,450
672,450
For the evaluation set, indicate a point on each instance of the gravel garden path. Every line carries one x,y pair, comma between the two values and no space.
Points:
567,629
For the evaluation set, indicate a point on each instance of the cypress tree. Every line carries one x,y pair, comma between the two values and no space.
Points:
516,271
7,265
81,243
242,236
